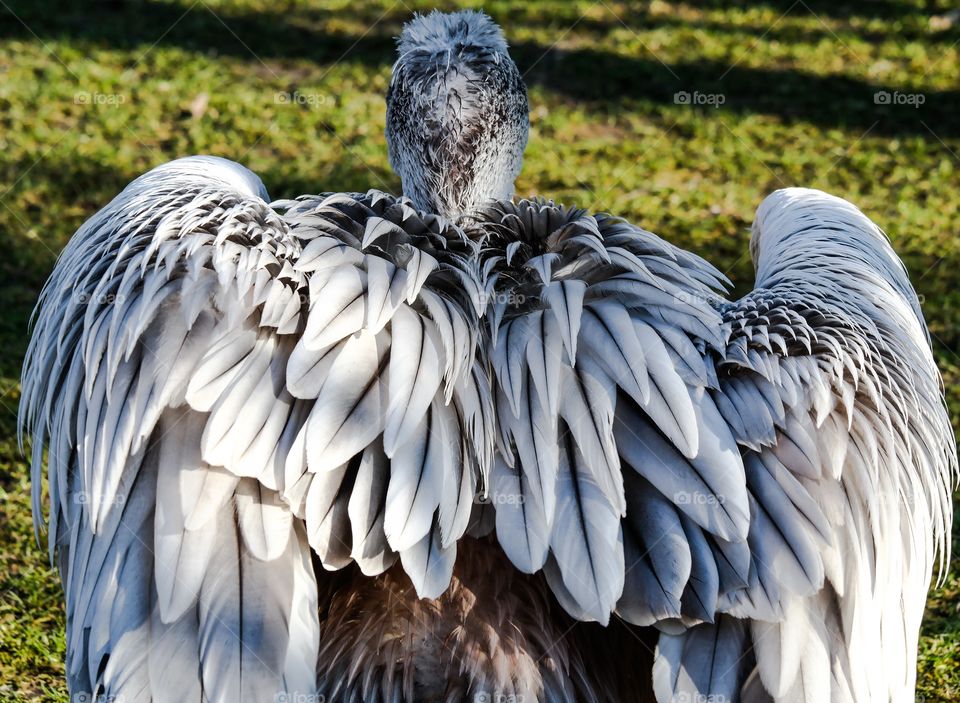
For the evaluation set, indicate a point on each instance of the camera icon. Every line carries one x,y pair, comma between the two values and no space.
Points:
882,97
681,98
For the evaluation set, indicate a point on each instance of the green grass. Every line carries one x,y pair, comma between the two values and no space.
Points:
93,94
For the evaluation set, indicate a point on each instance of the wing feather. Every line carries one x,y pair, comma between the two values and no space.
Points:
218,376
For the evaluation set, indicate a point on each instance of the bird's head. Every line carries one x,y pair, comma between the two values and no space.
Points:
457,115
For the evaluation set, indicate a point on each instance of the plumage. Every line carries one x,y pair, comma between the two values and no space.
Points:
388,449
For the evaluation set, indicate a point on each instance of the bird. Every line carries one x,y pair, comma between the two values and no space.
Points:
460,446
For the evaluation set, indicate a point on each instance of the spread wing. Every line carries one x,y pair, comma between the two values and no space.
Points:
222,389
766,481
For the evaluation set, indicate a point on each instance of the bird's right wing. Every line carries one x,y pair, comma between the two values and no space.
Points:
222,389
756,479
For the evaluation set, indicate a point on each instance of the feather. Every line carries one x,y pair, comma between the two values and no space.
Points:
181,555
265,521
587,404
366,511
612,342
414,375
327,517
565,301
522,527
243,611
349,412
710,488
544,360
586,539
669,405
429,565
656,554
339,310
416,478
699,602
705,662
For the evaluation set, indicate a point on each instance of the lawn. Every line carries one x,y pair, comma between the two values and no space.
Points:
680,116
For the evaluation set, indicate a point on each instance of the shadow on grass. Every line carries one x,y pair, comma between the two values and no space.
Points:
827,101
844,9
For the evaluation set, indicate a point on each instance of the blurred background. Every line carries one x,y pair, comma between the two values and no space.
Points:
678,115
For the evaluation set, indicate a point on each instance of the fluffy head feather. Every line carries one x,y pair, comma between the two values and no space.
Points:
438,32
457,115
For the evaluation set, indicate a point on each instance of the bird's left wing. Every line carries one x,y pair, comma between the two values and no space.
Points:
222,387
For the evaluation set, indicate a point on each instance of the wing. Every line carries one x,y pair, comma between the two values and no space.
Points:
598,333
222,389
771,475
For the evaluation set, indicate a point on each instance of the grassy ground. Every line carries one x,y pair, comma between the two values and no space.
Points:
781,92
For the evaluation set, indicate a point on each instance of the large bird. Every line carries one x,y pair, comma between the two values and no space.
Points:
354,447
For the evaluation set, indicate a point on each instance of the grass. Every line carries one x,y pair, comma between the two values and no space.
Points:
93,94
